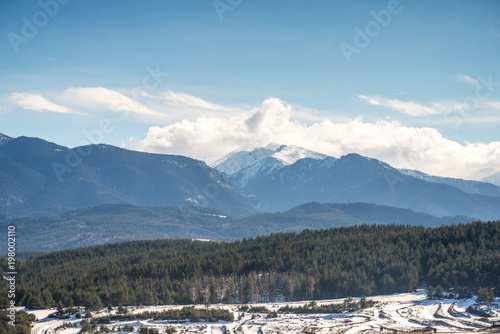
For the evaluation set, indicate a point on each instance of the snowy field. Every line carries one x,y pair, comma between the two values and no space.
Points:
400,312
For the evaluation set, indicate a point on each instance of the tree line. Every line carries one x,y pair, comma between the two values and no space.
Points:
361,260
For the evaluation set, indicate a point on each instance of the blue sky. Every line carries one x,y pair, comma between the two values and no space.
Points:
202,78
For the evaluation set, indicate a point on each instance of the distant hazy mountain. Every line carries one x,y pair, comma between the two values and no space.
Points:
353,178
494,178
41,178
468,186
116,223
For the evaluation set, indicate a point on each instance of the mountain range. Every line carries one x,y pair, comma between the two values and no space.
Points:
468,186
68,197
39,178
288,176
113,223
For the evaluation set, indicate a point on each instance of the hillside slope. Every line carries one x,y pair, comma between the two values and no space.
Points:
40,178
118,222
354,178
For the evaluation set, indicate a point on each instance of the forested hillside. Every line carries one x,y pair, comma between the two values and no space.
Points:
348,261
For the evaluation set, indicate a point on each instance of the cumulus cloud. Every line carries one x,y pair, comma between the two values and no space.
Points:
37,102
222,129
209,138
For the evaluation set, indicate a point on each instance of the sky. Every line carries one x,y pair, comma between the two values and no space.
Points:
413,83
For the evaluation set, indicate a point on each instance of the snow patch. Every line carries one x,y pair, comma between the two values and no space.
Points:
290,154
4,139
396,312
245,159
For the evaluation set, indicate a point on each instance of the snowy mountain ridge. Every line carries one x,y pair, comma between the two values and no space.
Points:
288,176
290,154
265,166
4,139
245,165
469,186
236,161
244,158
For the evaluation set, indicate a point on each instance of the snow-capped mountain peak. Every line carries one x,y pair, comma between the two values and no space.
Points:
265,166
238,160
241,159
289,154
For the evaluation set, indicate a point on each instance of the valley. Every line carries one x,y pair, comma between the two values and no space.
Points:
404,312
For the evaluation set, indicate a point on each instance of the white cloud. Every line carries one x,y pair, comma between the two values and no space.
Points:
459,119
191,101
214,136
104,98
413,108
222,129
436,108
275,121
37,102
160,108
492,104
467,79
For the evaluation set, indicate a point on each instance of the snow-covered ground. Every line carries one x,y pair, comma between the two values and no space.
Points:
401,312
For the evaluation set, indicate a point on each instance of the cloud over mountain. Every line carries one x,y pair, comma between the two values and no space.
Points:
185,124
275,121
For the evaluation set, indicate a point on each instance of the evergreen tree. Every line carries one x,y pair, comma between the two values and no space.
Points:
484,296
